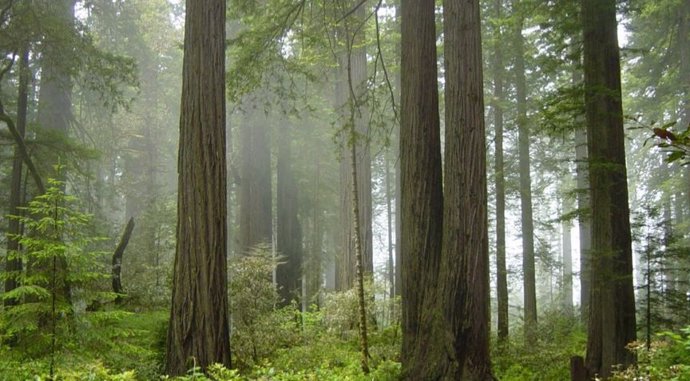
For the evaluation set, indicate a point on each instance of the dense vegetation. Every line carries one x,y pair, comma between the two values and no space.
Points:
346,190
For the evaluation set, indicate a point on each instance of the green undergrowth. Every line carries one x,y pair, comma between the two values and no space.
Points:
105,345
547,358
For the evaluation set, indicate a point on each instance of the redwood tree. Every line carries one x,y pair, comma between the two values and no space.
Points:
445,267
612,304
198,332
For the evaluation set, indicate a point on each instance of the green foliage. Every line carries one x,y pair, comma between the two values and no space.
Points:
258,329
666,359
61,277
560,338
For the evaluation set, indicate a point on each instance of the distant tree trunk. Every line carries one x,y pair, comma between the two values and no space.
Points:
501,270
389,220
528,268
314,271
255,191
117,258
421,194
359,257
464,268
289,230
612,305
13,266
55,104
567,284
198,332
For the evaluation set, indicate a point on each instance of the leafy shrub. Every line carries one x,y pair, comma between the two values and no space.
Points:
667,359
258,328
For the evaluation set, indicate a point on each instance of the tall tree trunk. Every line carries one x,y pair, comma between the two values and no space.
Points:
465,262
198,330
528,268
289,230
421,212
55,103
566,227
14,267
501,269
583,194
389,221
314,273
612,305
359,257
255,193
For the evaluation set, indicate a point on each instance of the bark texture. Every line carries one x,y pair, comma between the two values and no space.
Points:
612,305
421,217
445,287
465,262
198,332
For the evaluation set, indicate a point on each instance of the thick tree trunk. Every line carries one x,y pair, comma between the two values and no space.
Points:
13,266
289,230
198,332
528,268
421,194
612,305
464,269
501,268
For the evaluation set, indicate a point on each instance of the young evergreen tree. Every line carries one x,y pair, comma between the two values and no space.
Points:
612,323
198,332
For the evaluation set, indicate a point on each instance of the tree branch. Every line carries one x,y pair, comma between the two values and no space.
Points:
21,145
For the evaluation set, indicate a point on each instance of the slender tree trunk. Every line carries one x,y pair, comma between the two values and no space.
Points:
14,267
501,269
289,235
566,227
354,67
389,220
612,305
117,258
363,340
314,275
198,332
528,268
